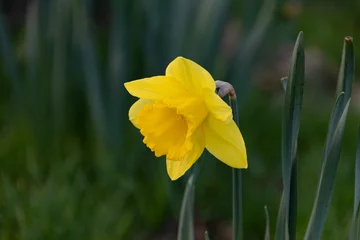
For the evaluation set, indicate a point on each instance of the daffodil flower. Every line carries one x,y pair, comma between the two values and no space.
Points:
180,115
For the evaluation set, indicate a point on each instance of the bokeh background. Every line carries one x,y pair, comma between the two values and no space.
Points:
73,167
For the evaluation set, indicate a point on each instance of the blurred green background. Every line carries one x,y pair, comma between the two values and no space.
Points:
73,167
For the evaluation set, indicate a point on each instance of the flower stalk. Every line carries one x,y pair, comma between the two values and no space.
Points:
224,89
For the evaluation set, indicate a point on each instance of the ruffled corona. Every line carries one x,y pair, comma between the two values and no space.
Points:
167,130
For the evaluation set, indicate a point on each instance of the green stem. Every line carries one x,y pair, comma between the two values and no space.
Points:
236,184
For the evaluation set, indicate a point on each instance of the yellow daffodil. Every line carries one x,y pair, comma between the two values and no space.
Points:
180,115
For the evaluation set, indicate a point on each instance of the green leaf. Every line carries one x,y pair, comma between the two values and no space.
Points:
346,73
240,69
212,15
328,171
333,143
353,230
345,81
267,231
118,71
37,53
61,22
84,40
9,62
180,22
286,222
186,221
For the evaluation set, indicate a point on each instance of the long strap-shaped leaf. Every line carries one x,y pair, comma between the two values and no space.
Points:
328,172
333,144
61,17
240,69
186,221
353,230
286,224
11,68
118,71
84,38
347,67
267,229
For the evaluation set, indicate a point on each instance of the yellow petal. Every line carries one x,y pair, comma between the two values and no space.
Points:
136,108
156,88
176,169
192,75
217,107
225,142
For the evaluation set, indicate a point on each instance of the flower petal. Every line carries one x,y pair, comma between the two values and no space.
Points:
176,169
217,107
192,75
156,88
136,108
225,142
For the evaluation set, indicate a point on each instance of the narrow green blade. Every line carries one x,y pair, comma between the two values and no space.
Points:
333,143
328,173
347,67
62,13
241,68
210,21
180,21
84,40
118,71
186,221
37,74
345,81
357,175
9,62
353,230
267,231
286,222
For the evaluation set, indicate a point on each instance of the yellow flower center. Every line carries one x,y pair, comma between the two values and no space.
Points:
167,129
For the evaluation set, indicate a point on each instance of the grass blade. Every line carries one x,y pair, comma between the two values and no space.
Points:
9,62
180,21
333,143
347,68
286,222
61,11
353,234
328,172
206,34
118,70
37,73
267,231
186,221
90,67
345,81
240,69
